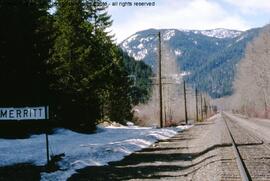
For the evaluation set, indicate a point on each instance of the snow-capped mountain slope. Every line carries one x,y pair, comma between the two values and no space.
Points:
221,33
138,51
209,55
137,45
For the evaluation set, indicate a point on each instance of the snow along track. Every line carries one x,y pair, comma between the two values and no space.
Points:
252,155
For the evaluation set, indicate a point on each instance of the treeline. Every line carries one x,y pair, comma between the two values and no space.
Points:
61,54
252,83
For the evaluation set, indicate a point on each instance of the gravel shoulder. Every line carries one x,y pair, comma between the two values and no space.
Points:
259,127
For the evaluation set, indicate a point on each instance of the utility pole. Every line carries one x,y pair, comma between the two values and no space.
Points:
201,108
205,107
160,82
185,101
210,109
165,105
196,98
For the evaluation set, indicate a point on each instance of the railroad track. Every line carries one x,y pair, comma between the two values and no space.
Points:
251,153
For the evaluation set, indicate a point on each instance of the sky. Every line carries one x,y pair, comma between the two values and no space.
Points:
187,14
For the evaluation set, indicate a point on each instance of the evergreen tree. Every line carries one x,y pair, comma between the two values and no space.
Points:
72,66
25,40
112,82
140,73
98,16
120,100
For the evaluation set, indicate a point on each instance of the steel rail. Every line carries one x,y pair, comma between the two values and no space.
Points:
239,160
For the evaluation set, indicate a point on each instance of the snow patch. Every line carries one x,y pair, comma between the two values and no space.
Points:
140,54
107,144
168,35
132,38
147,39
221,33
140,46
125,44
240,38
178,52
185,73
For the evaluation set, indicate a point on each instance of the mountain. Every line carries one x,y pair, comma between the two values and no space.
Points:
209,56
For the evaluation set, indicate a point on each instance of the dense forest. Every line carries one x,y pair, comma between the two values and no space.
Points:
60,53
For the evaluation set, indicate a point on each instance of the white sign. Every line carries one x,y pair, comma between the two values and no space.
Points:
25,113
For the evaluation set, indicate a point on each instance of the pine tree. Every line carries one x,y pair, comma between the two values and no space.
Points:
141,89
120,100
25,40
89,76
98,16
113,81
72,66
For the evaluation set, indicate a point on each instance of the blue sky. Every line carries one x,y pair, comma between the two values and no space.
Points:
189,14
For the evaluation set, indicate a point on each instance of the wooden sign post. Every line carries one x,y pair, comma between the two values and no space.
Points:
47,138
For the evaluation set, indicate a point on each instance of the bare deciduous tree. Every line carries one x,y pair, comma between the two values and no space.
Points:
252,83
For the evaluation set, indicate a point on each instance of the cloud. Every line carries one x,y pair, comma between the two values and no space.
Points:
251,6
179,14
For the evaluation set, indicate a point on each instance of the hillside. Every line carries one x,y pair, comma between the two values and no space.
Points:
210,56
